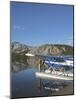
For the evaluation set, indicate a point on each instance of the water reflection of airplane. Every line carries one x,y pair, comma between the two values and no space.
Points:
55,75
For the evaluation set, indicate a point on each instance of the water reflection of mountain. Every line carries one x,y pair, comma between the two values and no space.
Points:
16,66
23,64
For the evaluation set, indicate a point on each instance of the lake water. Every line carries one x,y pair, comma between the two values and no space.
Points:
24,83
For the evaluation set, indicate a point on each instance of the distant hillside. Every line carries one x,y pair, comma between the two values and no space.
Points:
47,49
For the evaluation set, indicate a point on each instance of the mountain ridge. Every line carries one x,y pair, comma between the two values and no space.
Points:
45,49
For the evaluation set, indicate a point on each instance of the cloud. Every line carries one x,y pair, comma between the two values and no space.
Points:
18,27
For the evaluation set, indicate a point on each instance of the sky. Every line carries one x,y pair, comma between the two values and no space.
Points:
37,24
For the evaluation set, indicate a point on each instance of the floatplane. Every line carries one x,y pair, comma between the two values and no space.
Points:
55,75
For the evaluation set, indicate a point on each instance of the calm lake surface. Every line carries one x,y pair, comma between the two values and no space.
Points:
25,84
